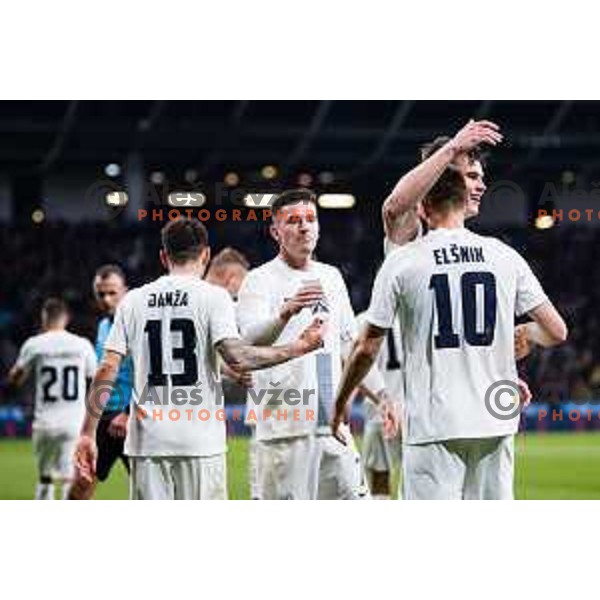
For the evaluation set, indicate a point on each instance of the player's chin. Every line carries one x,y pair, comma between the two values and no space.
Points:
472,208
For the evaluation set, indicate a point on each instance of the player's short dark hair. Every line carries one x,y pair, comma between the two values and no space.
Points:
430,148
229,256
53,309
105,271
449,192
184,239
294,196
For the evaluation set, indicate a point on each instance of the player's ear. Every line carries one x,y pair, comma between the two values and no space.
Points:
205,257
274,232
163,259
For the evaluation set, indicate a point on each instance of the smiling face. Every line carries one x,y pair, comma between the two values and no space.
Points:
472,171
296,230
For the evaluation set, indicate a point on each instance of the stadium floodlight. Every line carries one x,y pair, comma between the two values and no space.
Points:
37,216
336,200
259,199
157,177
544,222
112,170
181,199
269,172
231,179
116,198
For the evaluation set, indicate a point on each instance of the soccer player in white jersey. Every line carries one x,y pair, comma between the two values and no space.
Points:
455,294
61,363
381,448
228,269
402,212
173,329
297,456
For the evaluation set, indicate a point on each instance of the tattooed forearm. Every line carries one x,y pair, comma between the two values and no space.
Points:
241,356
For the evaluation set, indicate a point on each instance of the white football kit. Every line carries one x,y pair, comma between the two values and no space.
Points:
456,294
61,362
293,403
176,437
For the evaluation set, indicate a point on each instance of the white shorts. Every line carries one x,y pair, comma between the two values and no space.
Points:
378,453
340,471
287,468
471,469
54,452
178,478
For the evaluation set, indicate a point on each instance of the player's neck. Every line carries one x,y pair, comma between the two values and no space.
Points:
295,263
190,270
47,328
452,220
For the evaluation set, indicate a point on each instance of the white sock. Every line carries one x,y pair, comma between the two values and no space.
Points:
44,491
381,497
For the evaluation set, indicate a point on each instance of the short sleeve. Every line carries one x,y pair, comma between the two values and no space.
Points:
91,363
221,316
384,298
530,293
117,338
26,355
253,304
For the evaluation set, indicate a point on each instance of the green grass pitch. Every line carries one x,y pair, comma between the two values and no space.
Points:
549,466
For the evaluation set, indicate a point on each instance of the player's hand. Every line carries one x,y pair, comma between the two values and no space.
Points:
339,430
86,454
475,133
243,378
311,338
524,392
308,295
523,344
118,426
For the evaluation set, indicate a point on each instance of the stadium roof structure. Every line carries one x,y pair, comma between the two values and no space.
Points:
354,139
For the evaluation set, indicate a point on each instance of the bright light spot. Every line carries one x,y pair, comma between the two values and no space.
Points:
544,222
336,201
112,170
259,199
568,177
269,172
231,179
116,198
37,216
157,177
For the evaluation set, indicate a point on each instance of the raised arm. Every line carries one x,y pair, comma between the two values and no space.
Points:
399,211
